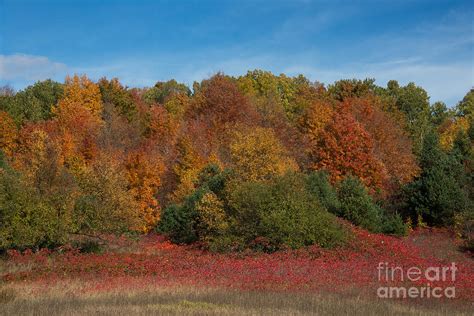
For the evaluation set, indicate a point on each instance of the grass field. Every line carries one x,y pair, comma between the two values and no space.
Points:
199,301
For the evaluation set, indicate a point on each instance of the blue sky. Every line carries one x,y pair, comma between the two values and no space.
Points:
141,42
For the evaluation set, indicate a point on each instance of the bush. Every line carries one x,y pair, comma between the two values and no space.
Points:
262,215
178,222
318,185
26,219
464,229
283,214
357,205
211,217
438,193
201,216
393,225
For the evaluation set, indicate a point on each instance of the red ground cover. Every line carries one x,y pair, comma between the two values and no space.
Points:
156,261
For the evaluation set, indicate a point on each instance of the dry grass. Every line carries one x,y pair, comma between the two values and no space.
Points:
63,299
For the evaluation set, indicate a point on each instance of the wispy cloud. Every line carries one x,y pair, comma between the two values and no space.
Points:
20,67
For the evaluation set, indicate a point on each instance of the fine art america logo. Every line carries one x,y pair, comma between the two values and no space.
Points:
432,275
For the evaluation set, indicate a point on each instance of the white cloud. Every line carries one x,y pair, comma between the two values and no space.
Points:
19,67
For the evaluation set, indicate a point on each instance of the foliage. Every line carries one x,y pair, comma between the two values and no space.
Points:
466,106
291,94
162,91
8,133
439,113
351,88
413,101
143,172
319,186
388,137
113,92
212,219
30,218
201,215
345,148
357,205
34,103
99,158
105,204
436,194
78,117
283,213
258,155
393,224
451,130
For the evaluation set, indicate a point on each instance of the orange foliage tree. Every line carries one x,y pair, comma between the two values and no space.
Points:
346,148
78,115
144,169
8,133
392,145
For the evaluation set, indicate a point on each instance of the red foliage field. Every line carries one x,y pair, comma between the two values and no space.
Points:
154,261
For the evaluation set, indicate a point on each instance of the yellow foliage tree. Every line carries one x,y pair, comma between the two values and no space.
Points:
316,117
257,155
80,94
186,169
448,135
212,217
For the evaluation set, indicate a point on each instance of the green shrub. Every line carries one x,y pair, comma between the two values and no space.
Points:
281,214
318,185
178,222
262,215
357,206
393,225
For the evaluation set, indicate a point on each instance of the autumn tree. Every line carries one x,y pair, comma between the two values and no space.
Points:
8,133
186,169
293,94
258,155
144,169
219,102
346,148
112,92
351,88
79,117
450,129
105,204
389,137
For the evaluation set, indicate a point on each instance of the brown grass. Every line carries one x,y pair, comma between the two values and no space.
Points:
68,299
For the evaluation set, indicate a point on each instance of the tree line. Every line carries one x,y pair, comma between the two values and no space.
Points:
260,161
